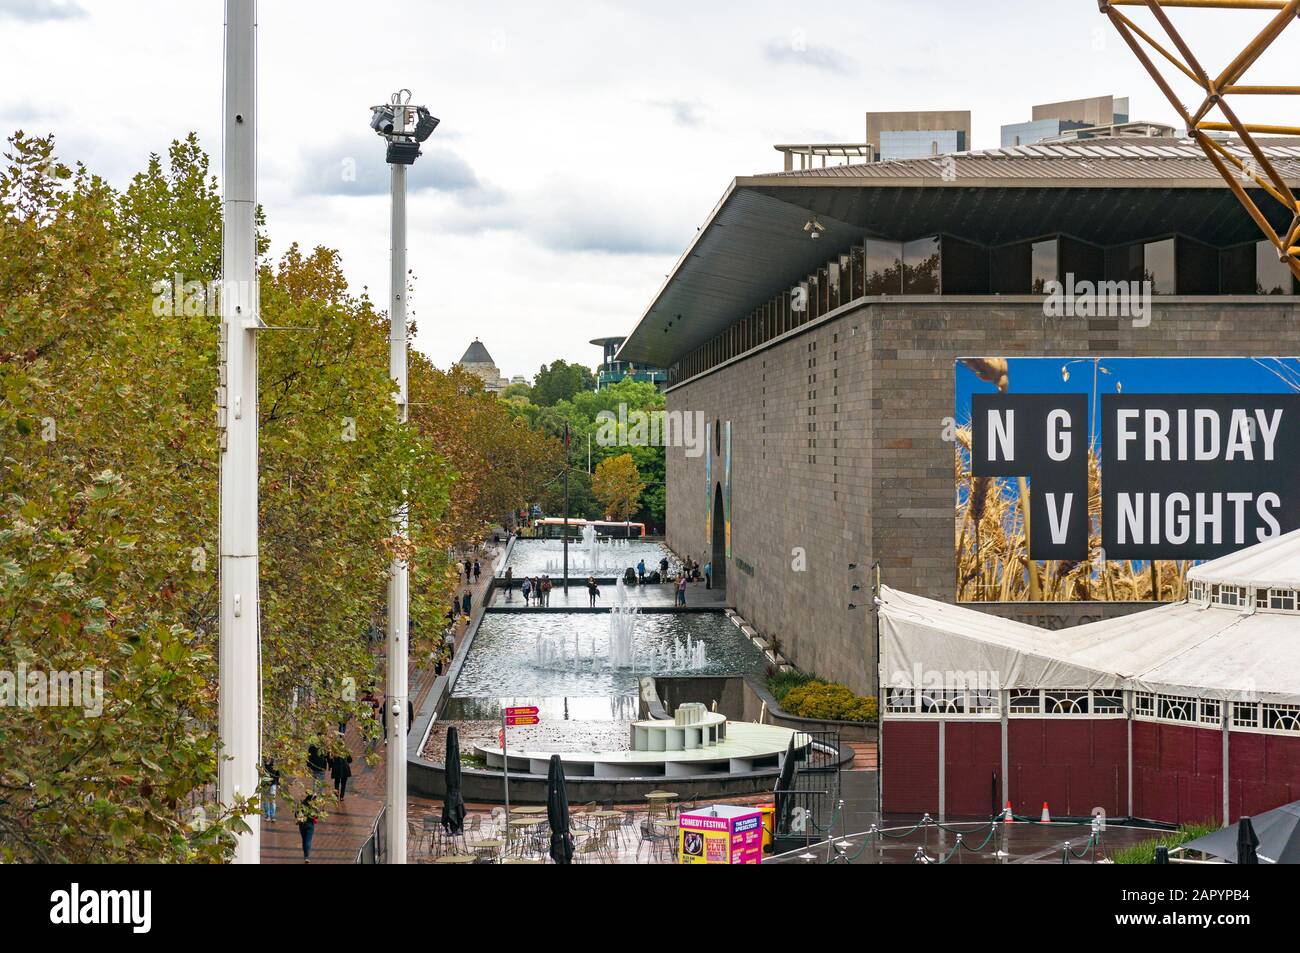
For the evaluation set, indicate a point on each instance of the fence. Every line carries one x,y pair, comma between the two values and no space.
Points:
375,848
806,810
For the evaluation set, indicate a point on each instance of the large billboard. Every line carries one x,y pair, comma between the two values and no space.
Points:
1107,478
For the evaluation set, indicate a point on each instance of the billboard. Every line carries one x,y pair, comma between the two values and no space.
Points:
1107,478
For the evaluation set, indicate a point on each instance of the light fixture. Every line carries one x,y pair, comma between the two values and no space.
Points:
402,152
814,228
425,123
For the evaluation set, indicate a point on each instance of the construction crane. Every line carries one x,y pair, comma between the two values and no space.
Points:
1242,167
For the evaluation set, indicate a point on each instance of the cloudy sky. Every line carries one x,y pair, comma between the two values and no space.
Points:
582,143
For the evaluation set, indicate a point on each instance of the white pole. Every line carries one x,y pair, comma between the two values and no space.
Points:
397,580
239,699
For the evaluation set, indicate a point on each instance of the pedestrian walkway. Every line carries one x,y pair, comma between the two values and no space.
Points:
662,596
347,825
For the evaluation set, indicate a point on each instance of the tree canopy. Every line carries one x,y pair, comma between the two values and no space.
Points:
109,364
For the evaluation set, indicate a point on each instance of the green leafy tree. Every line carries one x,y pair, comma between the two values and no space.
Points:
617,485
561,381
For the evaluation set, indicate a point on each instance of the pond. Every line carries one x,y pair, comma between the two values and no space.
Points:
535,557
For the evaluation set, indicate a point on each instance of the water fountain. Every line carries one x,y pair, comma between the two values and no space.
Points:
559,653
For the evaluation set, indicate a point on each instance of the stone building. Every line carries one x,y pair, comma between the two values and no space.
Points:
478,362
824,368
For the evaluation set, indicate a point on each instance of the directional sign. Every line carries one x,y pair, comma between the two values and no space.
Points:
522,720
521,711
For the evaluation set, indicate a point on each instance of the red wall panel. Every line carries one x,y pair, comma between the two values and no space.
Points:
1177,773
973,754
910,766
1264,772
1072,764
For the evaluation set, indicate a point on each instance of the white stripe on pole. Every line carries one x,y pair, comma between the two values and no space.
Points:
239,692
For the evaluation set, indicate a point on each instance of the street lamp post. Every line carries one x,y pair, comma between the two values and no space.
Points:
239,694
404,127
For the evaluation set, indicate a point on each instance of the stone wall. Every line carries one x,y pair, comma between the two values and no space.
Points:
838,454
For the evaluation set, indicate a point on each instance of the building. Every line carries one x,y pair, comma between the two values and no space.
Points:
1101,117
478,362
1185,713
827,371
916,134
612,370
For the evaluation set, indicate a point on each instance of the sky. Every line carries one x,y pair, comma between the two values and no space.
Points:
582,144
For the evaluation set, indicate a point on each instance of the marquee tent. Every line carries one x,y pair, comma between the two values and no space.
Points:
1180,713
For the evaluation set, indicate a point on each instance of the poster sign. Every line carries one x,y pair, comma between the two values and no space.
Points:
1107,478
720,834
522,715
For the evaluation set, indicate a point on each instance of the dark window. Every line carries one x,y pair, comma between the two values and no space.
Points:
1237,270
964,268
1085,261
884,267
1044,265
921,266
1010,269
1197,269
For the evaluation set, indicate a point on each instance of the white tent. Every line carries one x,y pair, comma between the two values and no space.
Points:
1237,638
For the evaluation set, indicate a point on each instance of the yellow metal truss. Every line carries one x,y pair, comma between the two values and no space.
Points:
1217,90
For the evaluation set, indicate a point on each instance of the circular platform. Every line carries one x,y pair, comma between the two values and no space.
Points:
746,747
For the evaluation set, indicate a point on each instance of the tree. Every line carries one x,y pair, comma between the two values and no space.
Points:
561,381
617,485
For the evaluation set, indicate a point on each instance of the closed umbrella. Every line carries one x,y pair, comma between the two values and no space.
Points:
453,804
557,813
784,785
1247,841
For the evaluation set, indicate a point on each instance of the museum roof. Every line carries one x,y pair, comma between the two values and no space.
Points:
1106,191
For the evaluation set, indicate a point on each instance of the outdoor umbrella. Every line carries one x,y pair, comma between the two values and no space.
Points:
785,784
453,804
1272,837
557,813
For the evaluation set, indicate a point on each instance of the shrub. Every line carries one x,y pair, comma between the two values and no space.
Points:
829,700
779,683
1144,852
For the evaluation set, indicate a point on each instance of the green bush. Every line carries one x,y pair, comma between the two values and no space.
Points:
829,700
1144,852
779,683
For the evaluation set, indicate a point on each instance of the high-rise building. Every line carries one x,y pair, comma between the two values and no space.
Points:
1052,120
917,134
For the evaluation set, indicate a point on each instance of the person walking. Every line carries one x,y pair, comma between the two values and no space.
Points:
510,583
306,816
270,788
546,591
592,592
465,601
340,771
708,575
663,568
316,764
640,572
681,590
526,589
477,570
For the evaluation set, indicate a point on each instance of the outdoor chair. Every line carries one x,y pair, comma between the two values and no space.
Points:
595,846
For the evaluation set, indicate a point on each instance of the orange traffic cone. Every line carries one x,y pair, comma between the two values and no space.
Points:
1047,815
1007,817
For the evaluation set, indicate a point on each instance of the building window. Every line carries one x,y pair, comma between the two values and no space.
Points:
1245,715
1281,717
1024,702
1211,711
1044,265
1283,599
1144,703
1176,707
1065,703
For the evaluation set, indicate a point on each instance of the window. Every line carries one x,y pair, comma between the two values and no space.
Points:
1211,711
1281,717
1065,703
1108,703
1284,599
1144,703
1025,702
1043,265
921,266
884,267
902,700
1176,707
1245,715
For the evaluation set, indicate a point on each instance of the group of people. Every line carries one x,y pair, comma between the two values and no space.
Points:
536,589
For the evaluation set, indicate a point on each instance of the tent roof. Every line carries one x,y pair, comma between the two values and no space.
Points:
1180,649
1274,563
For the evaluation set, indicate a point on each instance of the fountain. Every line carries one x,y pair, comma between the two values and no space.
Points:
559,653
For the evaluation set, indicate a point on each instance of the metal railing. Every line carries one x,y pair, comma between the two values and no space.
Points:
375,848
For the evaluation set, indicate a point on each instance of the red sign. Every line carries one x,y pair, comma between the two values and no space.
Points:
521,710
513,720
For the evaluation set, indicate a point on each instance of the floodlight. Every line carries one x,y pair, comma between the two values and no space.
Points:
425,123
402,152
